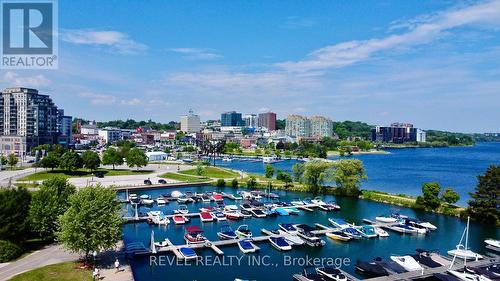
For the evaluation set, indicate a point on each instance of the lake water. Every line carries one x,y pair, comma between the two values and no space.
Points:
404,170
277,266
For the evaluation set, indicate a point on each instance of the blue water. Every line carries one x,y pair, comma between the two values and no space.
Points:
445,238
405,170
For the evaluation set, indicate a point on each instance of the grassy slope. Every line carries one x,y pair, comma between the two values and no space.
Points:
61,272
184,178
81,173
213,172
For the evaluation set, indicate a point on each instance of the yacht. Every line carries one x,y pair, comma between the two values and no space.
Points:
418,228
306,276
157,217
280,243
467,274
403,228
462,251
416,222
194,235
304,231
407,262
307,201
435,257
243,231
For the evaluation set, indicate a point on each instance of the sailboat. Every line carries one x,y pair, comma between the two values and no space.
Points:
462,251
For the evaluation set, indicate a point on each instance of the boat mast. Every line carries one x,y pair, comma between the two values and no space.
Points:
466,240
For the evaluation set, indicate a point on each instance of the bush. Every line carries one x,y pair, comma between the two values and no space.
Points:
9,251
234,183
221,183
251,182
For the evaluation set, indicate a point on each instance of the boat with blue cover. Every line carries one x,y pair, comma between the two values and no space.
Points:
281,211
352,232
246,246
226,232
280,243
368,231
188,253
288,227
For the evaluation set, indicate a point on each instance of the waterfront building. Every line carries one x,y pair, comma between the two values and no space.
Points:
110,135
231,119
64,127
315,127
321,126
28,119
267,120
250,120
398,133
190,123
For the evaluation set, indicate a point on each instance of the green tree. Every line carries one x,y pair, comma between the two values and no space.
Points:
269,171
430,196
14,210
450,196
52,161
348,175
200,169
70,161
91,160
298,171
48,204
221,183
3,161
92,221
315,173
136,158
112,157
234,183
485,202
251,182
12,160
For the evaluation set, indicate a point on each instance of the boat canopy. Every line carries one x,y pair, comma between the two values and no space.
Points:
193,229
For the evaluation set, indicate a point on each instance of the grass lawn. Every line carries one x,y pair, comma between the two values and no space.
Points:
61,272
213,172
43,175
185,178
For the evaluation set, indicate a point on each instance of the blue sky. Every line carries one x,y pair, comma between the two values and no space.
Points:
433,63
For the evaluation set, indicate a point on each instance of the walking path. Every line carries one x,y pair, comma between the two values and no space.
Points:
107,269
51,254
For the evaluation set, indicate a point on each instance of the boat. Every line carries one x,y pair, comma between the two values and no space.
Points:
386,219
306,276
161,201
207,209
372,269
217,197
245,214
436,257
188,253
179,219
493,244
297,202
226,232
258,213
246,246
182,209
390,265
467,274
416,222
403,228
145,196
237,197
243,231
331,273
206,217
246,207
339,223
194,235
219,216
462,251
281,211
227,159
419,228
184,199
290,238
368,231
318,201
288,228
293,211
338,235
352,232
331,206
157,217
407,262
280,243
307,201
205,198
426,259
380,232
233,215
304,231
270,159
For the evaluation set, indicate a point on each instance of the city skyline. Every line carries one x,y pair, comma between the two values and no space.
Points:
435,64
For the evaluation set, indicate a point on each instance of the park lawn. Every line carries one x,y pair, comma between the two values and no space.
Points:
67,271
212,172
184,178
46,174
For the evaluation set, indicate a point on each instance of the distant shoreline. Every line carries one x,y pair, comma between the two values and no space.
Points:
373,151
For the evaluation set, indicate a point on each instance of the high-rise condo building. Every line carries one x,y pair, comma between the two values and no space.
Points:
398,133
250,120
321,126
231,119
190,123
304,127
267,120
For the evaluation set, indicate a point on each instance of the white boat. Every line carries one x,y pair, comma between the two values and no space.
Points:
157,217
280,243
226,232
403,228
468,275
339,223
318,201
288,228
407,262
290,238
243,231
219,216
258,213
147,201
227,159
305,232
182,210
331,273
161,201
462,251
270,159
246,246
132,196
381,232
386,219
493,244
297,202
144,196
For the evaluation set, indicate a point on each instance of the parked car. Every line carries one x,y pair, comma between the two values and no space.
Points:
99,174
148,182
162,181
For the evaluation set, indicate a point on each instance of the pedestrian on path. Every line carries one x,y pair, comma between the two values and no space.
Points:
117,265
95,274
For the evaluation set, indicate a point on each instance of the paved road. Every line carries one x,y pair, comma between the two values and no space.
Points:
49,255
6,175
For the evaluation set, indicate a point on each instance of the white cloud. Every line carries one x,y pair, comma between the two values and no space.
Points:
133,101
98,99
119,41
421,31
196,53
13,79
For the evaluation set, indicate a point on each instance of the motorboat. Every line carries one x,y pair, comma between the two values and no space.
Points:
194,235
271,195
246,246
331,273
207,209
493,244
246,207
237,197
293,211
245,194
462,251
281,211
280,243
407,262
205,198
297,202
352,232
161,201
288,228
467,274
270,212
179,219
227,159
390,265
403,228
426,259
372,269
304,231
145,196
307,201
243,231
331,206
230,208
436,257
184,199
318,201
132,197
339,223
245,214
206,217
217,197
188,253
386,219
306,276
270,159
157,217
338,235
233,215
419,223
256,195
290,238
368,231
226,232
418,227
258,213
381,232
182,209
219,216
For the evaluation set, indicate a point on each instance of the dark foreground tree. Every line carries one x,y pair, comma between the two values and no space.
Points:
14,208
92,221
485,203
51,161
71,161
